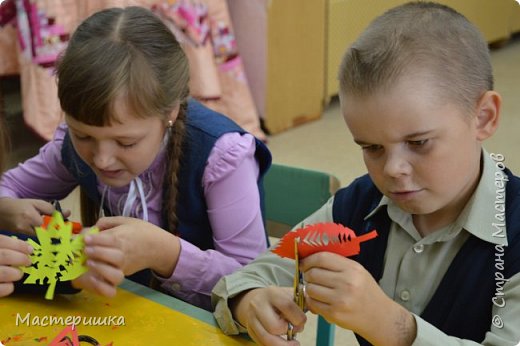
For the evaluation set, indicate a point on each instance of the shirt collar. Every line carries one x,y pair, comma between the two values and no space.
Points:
484,214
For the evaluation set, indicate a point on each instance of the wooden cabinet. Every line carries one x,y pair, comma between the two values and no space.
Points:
346,19
282,44
295,62
514,22
292,52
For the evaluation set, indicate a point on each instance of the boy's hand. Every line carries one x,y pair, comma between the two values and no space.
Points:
265,312
14,253
22,215
344,293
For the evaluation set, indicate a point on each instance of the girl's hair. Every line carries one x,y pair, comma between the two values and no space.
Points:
3,142
423,38
131,52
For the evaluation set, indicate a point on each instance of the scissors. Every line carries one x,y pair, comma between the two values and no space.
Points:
298,289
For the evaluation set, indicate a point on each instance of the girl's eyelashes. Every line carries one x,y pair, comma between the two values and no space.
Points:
126,145
80,137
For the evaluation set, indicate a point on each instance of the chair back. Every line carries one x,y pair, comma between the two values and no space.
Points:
292,194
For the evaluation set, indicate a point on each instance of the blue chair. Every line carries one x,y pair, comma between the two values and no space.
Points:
292,194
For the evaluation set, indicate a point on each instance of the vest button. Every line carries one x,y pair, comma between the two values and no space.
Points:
405,295
418,248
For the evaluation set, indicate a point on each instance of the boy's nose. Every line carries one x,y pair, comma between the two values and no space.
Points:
396,165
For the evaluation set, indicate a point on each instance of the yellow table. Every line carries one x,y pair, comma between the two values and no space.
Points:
137,315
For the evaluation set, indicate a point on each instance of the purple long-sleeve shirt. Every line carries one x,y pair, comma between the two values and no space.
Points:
230,187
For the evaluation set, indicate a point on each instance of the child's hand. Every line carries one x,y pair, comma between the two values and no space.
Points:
13,253
143,244
104,271
344,293
101,278
266,313
22,215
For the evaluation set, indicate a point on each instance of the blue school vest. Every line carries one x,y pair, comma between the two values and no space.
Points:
462,304
203,128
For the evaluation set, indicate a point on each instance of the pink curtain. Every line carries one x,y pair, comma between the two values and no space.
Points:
217,74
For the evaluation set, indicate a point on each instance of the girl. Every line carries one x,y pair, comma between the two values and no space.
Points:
184,181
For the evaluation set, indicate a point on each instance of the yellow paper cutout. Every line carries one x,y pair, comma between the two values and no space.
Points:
58,256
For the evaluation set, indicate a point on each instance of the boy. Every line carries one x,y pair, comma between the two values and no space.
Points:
416,92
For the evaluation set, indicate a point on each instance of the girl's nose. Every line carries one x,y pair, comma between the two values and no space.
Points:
103,158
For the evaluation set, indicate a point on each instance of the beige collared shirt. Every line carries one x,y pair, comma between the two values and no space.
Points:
413,267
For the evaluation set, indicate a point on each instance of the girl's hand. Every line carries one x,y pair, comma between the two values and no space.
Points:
143,244
265,312
22,215
344,293
101,278
104,269
14,253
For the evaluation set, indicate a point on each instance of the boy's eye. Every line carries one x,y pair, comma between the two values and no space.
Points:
371,148
417,143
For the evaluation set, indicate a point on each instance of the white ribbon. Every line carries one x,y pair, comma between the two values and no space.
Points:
136,188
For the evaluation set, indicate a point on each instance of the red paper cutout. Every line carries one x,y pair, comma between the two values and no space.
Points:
319,237
62,340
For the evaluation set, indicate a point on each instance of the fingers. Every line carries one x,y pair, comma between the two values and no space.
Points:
43,207
15,244
106,239
269,313
106,273
14,252
10,274
321,277
319,297
66,213
262,337
111,222
14,258
319,308
326,260
90,282
105,261
108,255
6,289
286,310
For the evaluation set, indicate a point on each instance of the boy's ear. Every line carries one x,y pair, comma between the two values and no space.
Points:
488,114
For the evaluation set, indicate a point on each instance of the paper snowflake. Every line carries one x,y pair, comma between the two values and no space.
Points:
58,256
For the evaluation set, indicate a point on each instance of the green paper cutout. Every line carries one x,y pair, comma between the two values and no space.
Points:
58,256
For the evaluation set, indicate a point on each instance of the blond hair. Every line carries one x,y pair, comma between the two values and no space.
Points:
127,51
423,38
